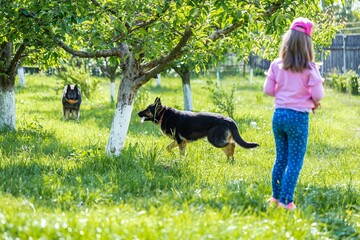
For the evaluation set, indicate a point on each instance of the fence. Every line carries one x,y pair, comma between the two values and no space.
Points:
344,54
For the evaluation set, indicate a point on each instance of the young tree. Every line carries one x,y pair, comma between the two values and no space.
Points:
20,39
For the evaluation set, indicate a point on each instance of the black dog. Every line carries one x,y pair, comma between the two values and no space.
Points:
184,127
71,101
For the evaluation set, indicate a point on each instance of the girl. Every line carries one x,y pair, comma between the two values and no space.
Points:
295,82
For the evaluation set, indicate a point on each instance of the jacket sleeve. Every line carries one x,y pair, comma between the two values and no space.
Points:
317,92
270,83
316,84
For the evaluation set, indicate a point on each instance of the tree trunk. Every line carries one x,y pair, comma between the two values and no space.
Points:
8,66
110,71
122,116
7,107
184,73
187,91
112,91
21,74
158,80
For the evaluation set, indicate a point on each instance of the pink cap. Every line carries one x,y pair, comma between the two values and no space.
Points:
302,25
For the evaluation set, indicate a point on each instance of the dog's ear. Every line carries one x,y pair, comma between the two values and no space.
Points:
157,101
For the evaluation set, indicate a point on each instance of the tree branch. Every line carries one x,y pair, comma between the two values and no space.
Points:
96,3
222,32
162,63
142,24
116,52
16,59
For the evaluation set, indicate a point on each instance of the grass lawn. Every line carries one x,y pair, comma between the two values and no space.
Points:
57,183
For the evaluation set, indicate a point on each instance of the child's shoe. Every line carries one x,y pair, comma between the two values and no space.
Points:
291,206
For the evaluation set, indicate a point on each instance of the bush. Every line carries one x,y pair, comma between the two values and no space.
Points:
223,100
353,83
81,77
344,83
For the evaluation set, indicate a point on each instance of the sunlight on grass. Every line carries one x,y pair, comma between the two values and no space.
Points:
57,183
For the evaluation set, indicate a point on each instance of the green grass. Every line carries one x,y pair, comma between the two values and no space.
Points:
57,183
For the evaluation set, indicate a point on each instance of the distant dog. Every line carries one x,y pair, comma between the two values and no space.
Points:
184,127
71,101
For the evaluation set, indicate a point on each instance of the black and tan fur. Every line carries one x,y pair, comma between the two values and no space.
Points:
183,127
71,100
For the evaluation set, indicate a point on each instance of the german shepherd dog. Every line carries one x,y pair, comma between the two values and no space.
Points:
185,126
71,100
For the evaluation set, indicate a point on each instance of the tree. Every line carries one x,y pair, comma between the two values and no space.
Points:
184,71
148,36
20,39
12,48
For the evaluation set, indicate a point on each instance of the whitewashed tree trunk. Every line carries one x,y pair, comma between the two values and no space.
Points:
158,80
112,91
187,97
119,129
7,109
124,107
184,73
217,77
251,75
21,74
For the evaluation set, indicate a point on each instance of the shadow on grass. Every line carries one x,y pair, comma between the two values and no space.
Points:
35,165
333,208
31,139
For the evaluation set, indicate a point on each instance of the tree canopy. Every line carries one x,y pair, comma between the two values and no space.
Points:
152,29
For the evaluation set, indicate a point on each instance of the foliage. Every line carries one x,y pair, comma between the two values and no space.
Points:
224,100
105,24
18,27
57,183
344,83
347,10
79,76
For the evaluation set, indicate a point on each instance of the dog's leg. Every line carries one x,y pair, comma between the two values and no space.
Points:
182,147
229,150
66,114
77,115
171,146
219,137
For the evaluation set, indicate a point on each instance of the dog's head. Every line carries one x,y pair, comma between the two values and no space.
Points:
72,93
152,112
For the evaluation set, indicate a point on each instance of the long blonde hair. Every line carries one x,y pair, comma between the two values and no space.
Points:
296,51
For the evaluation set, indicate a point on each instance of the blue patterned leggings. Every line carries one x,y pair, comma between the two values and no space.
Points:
290,130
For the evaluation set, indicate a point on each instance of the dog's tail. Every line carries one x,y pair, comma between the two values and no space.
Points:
236,136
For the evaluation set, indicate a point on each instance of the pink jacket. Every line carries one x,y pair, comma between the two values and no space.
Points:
293,90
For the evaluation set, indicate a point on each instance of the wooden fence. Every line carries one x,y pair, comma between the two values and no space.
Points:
344,55
342,45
